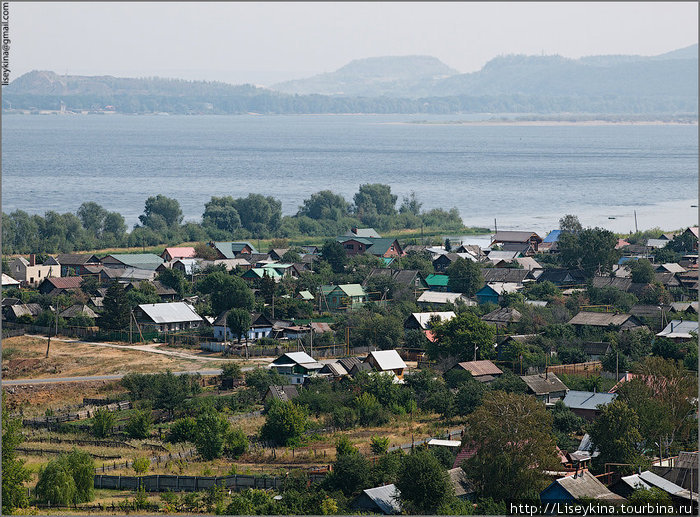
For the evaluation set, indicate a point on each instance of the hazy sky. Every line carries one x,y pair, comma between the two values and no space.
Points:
268,42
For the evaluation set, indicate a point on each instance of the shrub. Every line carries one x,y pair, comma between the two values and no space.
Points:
139,425
183,430
103,422
284,424
236,443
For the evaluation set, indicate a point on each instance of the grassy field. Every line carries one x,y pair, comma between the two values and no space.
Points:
25,357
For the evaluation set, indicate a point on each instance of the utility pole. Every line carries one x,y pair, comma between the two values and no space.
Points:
312,339
635,222
617,365
495,226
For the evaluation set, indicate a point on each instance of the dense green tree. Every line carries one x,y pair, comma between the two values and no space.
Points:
324,205
14,473
161,211
261,379
418,260
350,474
183,430
175,279
68,479
642,271
615,434
570,223
469,396
459,337
291,256
116,312
235,443
103,422
464,276
374,199
410,204
260,215
334,253
284,423
683,243
238,320
139,424
210,435
221,213
510,459
92,217
592,250
145,293
227,292
423,483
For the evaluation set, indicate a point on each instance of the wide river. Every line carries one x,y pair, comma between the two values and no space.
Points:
525,176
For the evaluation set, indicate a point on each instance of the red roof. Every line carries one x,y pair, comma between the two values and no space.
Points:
482,367
181,252
66,282
621,243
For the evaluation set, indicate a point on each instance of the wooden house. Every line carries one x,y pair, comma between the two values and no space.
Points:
510,238
76,264
342,297
386,361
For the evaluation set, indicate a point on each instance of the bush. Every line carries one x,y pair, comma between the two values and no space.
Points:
379,444
369,411
183,430
139,425
212,429
236,443
284,424
103,422
140,465
69,479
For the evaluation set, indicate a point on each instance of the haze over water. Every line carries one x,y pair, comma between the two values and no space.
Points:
525,176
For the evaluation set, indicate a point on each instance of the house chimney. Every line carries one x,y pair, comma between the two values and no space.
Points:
32,259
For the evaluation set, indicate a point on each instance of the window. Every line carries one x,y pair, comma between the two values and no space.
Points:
349,247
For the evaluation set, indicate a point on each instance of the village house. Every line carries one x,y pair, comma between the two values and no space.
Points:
76,264
165,317
546,387
258,273
386,361
587,404
15,311
60,285
165,293
296,367
508,239
8,281
229,250
78,309
411,279
260,326
443,261
581,486
422,320
342,297
679,330
31,274
147,261
183,252
438,283
429,298
605,320
563,278
378,247
483,371
493,293
380,500
502,317
285,393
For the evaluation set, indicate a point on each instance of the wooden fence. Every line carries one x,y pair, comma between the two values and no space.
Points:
42,452
52,421
587,369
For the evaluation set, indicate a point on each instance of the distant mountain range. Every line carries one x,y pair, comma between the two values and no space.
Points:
667,83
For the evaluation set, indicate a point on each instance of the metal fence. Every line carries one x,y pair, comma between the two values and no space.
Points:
163,483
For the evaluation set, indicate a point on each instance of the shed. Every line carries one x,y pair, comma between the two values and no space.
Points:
386,361
586,403
464,489
680,330
579,487
545,386
502,317
483,370
281,393
384,499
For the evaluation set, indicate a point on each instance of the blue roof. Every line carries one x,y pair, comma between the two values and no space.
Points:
552,236
626,259
587,399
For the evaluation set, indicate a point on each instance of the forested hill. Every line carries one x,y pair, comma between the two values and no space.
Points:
396,76
665,84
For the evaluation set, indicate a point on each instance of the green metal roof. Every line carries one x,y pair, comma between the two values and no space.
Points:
437,280
229,249
348,289
306,295
260,272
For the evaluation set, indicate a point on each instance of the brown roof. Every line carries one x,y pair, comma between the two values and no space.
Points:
541,385
478,368
75,259
623,284
509,236
283,393
66,282
496,274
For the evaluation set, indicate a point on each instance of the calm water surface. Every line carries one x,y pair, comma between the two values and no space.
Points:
525,176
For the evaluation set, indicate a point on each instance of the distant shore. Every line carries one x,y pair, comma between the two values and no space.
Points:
549,122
